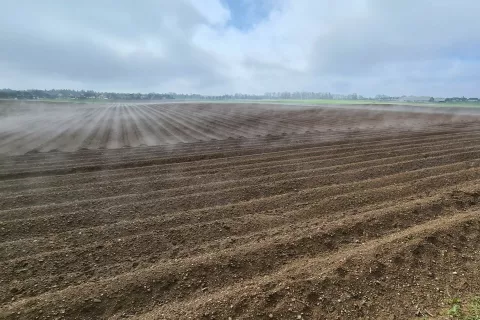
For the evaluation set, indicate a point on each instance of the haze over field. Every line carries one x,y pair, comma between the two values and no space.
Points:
223,46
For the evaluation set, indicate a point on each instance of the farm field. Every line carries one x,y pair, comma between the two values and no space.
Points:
211,211
32,128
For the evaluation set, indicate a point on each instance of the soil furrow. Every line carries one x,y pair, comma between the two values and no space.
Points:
130,252
390,267
268,162
42,222
312,170
162,282
183,160
205,146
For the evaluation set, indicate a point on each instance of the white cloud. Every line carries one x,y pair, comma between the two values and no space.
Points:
368,46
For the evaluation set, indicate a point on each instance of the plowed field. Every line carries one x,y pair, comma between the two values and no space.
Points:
238,212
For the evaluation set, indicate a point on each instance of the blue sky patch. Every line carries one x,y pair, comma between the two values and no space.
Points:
247,13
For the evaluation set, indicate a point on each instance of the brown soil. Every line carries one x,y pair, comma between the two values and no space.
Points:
368,215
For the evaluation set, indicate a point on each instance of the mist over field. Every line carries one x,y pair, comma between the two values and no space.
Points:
29,126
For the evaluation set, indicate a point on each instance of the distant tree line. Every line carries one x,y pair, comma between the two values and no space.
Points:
78,95
90,94
462,99
63,94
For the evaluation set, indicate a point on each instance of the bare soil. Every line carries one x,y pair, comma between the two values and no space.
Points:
239,212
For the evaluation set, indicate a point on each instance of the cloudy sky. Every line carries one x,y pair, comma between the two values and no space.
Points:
419,47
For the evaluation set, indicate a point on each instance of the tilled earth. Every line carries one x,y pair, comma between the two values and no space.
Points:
360,215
